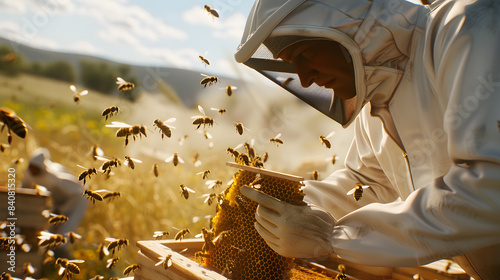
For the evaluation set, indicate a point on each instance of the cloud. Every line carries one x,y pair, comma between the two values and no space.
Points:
48,7
182,58
83,47
118,19
16,7
198,16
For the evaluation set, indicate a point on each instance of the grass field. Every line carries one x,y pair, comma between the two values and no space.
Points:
150,203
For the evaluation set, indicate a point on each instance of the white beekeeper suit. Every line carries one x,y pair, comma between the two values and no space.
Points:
65,189
426,136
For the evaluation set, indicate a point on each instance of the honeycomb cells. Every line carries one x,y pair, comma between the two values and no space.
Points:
240,252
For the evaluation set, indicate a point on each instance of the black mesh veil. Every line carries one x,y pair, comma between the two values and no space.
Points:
284,74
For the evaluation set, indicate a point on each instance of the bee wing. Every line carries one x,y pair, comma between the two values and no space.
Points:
73,88
99,151
76,235
180,159
118,124
170,120
46,213
238,146
204,75
230,182
201,110
196,117
278,136
110,239
210,183
199,235
61,270
101,158
169,159
85,92
351,191
81,166
331,134
120,81
102,192
365,187
136,160
77,261
214,109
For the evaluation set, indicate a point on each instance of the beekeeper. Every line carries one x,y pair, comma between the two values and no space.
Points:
65,190
421,84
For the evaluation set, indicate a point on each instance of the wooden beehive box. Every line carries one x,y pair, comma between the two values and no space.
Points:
29,204
185,268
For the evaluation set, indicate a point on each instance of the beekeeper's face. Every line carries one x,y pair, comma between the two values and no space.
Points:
323,62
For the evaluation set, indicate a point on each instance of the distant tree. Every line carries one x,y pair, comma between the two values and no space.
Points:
11,63
35,68
60,70
97,76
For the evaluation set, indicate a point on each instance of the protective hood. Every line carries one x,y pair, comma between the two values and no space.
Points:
376,34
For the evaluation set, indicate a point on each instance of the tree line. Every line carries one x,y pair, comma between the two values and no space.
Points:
97,76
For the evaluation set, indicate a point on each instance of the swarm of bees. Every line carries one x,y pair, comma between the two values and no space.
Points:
13,123
123,85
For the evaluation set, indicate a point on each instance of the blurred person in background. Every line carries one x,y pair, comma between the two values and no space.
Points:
66,191
420,84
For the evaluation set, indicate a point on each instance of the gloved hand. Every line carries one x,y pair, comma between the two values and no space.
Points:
290,230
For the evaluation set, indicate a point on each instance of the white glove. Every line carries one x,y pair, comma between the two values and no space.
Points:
290,230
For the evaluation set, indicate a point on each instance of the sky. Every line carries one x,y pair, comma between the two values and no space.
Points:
143,32
168,33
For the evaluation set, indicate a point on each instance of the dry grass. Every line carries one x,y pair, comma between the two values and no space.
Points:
150,203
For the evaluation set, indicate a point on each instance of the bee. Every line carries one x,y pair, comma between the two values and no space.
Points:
3,147
164,129
208,236
341,275
204,174
110,111
102,251
202,120
357,191
159,234
86,173
126,130
124,85
73,236
155,170
334,159
213,183
196,161
68,267
51,240
243,159
315,175
250,150
416,277
57,219
131,268
17,161
234,152
241,203
166,261
92,195
108,194
220,110
265,157
112,262
276,139
28,269
325,140
13,123
240,128
175,159
230,89
209,198
181,234
116,244
208,80
204,60
108,164
185,191
98,277
256,182
77,96
211,11
96,151
130,162
200,256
